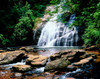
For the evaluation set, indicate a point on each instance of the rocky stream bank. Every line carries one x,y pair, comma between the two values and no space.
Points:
27,63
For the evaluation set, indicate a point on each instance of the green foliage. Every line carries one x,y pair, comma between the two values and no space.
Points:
3,40
55,1
17,20
91,35
88,15
24,26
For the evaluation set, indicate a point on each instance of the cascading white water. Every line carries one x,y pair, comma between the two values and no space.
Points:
85,69
58,34
8,66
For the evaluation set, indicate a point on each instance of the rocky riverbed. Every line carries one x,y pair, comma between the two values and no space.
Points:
29,63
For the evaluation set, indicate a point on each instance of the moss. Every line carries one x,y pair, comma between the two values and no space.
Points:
37,21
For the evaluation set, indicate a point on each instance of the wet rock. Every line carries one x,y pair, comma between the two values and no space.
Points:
94,47
60,54
46,73
59,64
18,74
37,60
83,61
57,77
57,72
62,59
2,50
65,16
39,24
49,75
70,78
40,77
55,56
11,48
27,49
46,16
22,68
71,68
11,56
72,55
88,55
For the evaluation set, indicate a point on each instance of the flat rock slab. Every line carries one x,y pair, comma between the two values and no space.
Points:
22,68
67,54
83,61
37,60
8,57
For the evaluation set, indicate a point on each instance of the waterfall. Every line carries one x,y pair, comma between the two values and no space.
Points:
58,34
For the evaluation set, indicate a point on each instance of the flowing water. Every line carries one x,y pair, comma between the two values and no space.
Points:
8,66
78,71
48,51
58,34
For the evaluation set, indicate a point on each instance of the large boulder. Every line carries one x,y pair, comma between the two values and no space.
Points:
11,56
58,64
22,68
36,60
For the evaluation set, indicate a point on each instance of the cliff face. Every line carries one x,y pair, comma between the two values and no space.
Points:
40,22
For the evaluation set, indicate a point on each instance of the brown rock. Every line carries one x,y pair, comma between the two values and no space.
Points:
22,68
45,17
32,57
72,55
88,55
83,61
47,73
8,57
70,78
37,60
40,77
18,74
27,49
56,77
94,47
2,51
71,67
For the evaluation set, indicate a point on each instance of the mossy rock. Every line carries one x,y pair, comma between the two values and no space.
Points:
59,64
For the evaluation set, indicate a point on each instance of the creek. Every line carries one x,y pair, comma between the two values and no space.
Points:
38,73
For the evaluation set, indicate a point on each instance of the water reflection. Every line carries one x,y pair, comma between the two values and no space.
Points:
48,51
